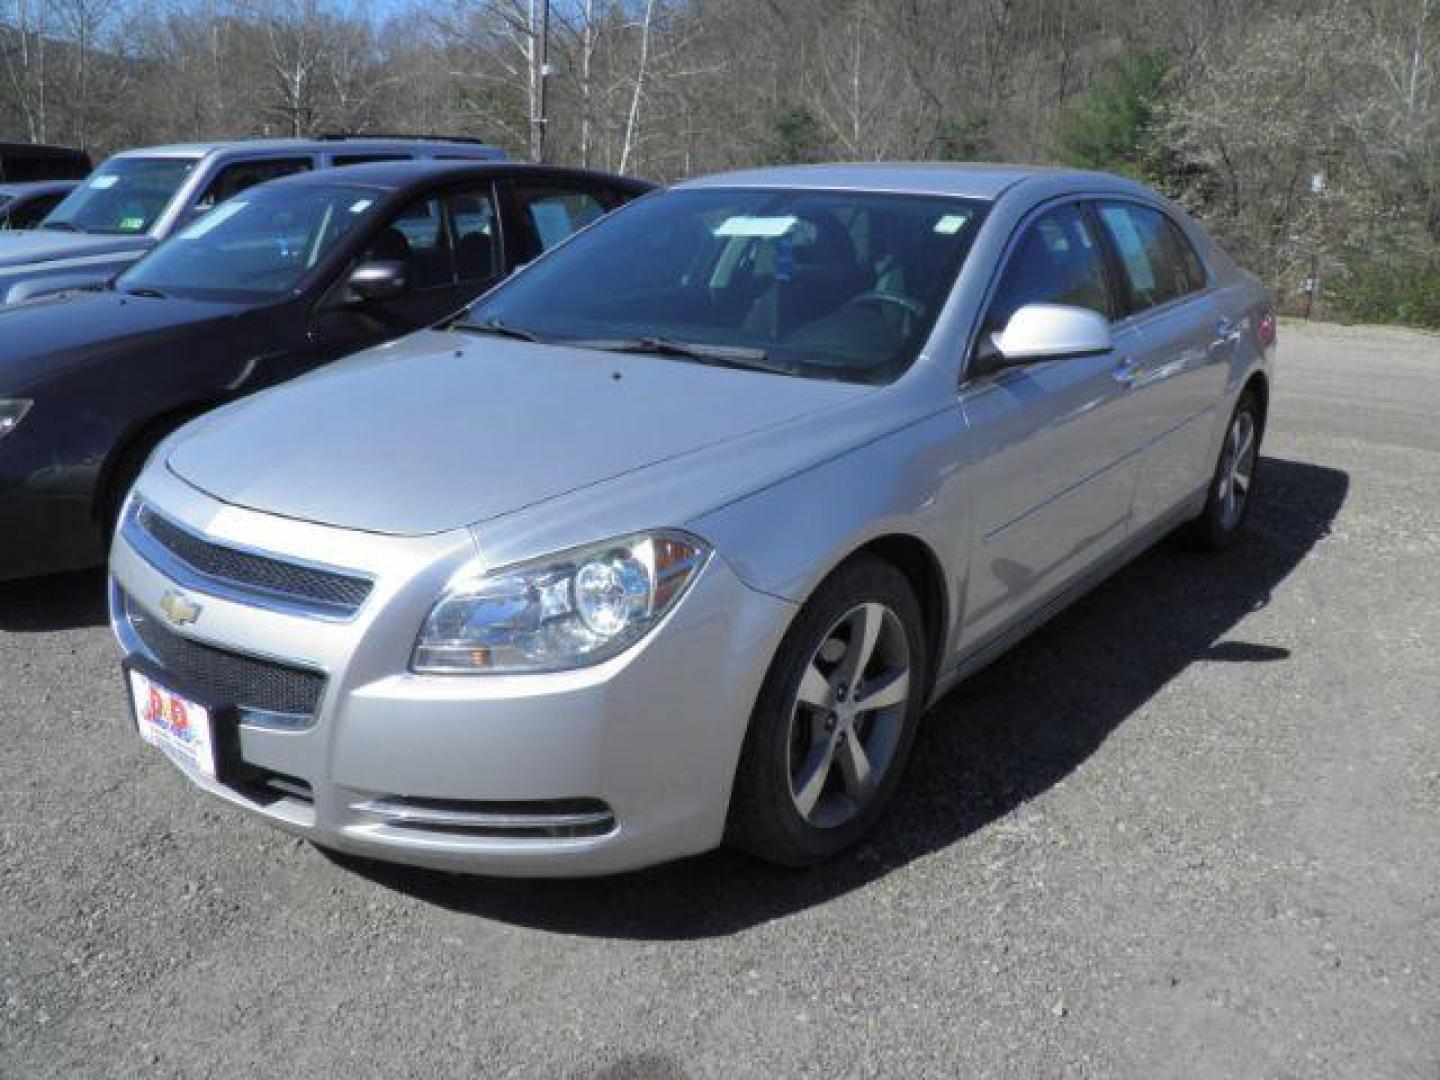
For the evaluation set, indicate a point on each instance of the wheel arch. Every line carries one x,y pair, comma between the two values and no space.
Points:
922,568
138,440
1259,384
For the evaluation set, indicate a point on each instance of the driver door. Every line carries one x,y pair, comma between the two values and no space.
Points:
451,245
1054,467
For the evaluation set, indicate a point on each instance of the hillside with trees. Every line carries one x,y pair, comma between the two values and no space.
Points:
1307,135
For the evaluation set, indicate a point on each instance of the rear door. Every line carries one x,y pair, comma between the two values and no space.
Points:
1178,376
1055,466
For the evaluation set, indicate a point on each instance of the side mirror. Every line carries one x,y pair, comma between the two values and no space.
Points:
379,280
1046,332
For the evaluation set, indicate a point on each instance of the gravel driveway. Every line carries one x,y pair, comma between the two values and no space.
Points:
1190,829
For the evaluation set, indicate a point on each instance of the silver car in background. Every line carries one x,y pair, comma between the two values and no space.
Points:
669,540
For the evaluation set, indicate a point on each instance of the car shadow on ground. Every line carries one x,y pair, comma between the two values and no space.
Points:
57,602
999,739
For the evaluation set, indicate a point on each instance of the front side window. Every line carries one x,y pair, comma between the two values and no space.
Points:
416,237
125,195
233,179
1151,253
1057,261
256,245
774,277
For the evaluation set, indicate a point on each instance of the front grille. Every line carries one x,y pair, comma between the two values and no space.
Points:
330,590
227,678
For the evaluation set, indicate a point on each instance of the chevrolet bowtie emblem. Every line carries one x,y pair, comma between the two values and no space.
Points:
179,608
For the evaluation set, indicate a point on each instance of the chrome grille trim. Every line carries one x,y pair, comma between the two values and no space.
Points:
268,693
233,572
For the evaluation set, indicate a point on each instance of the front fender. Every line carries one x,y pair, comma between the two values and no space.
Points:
785,539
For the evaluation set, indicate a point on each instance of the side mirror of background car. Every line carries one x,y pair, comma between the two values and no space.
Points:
380,280
1046,332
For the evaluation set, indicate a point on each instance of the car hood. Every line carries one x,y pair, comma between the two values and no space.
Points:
25,247
42,337
442,430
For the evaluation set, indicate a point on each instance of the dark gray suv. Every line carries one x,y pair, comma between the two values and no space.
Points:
138,198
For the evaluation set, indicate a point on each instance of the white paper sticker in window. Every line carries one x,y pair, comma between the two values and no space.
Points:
359,206
101,183
951,224
764,228
222,213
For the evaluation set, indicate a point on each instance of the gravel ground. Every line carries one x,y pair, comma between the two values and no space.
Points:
1192,828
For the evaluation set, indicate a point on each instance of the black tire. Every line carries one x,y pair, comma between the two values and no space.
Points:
1220,523
765,815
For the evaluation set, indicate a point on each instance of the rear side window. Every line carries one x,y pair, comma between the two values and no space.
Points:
1057,261
1159,263
233,179
555,213
339,161
1195,274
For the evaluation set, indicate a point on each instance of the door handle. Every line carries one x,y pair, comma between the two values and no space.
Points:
1226,333
1127,372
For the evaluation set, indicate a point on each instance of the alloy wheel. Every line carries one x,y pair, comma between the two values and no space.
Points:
1237,468
848,715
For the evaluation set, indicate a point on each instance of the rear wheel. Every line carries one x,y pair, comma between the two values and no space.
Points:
835,721
1232,487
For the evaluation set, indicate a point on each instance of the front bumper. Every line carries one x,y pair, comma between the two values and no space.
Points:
604,769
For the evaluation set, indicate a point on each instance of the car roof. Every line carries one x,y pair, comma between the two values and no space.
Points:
394,175
45,150
962,180
359,145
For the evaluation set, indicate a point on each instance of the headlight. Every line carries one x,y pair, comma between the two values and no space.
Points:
564,611
12,411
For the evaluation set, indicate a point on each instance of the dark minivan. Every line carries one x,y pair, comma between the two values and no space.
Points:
25,163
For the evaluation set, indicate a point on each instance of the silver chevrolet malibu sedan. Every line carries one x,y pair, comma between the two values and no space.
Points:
669,540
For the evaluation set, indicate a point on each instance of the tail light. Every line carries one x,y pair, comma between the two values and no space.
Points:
1265,329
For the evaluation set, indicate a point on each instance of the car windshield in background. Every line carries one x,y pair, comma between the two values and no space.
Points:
258,244
125,195
823,284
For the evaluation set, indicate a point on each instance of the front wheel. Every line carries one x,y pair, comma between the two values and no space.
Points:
835,720
1232,488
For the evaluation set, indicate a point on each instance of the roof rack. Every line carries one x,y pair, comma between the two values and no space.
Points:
341,136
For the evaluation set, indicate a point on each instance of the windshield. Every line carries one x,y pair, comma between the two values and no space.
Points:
125,195
256,245
822,284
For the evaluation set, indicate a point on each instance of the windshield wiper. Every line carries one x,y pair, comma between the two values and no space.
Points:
734,356
145,291
61,226
500,329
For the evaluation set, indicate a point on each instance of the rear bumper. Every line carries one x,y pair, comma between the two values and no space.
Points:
604,769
